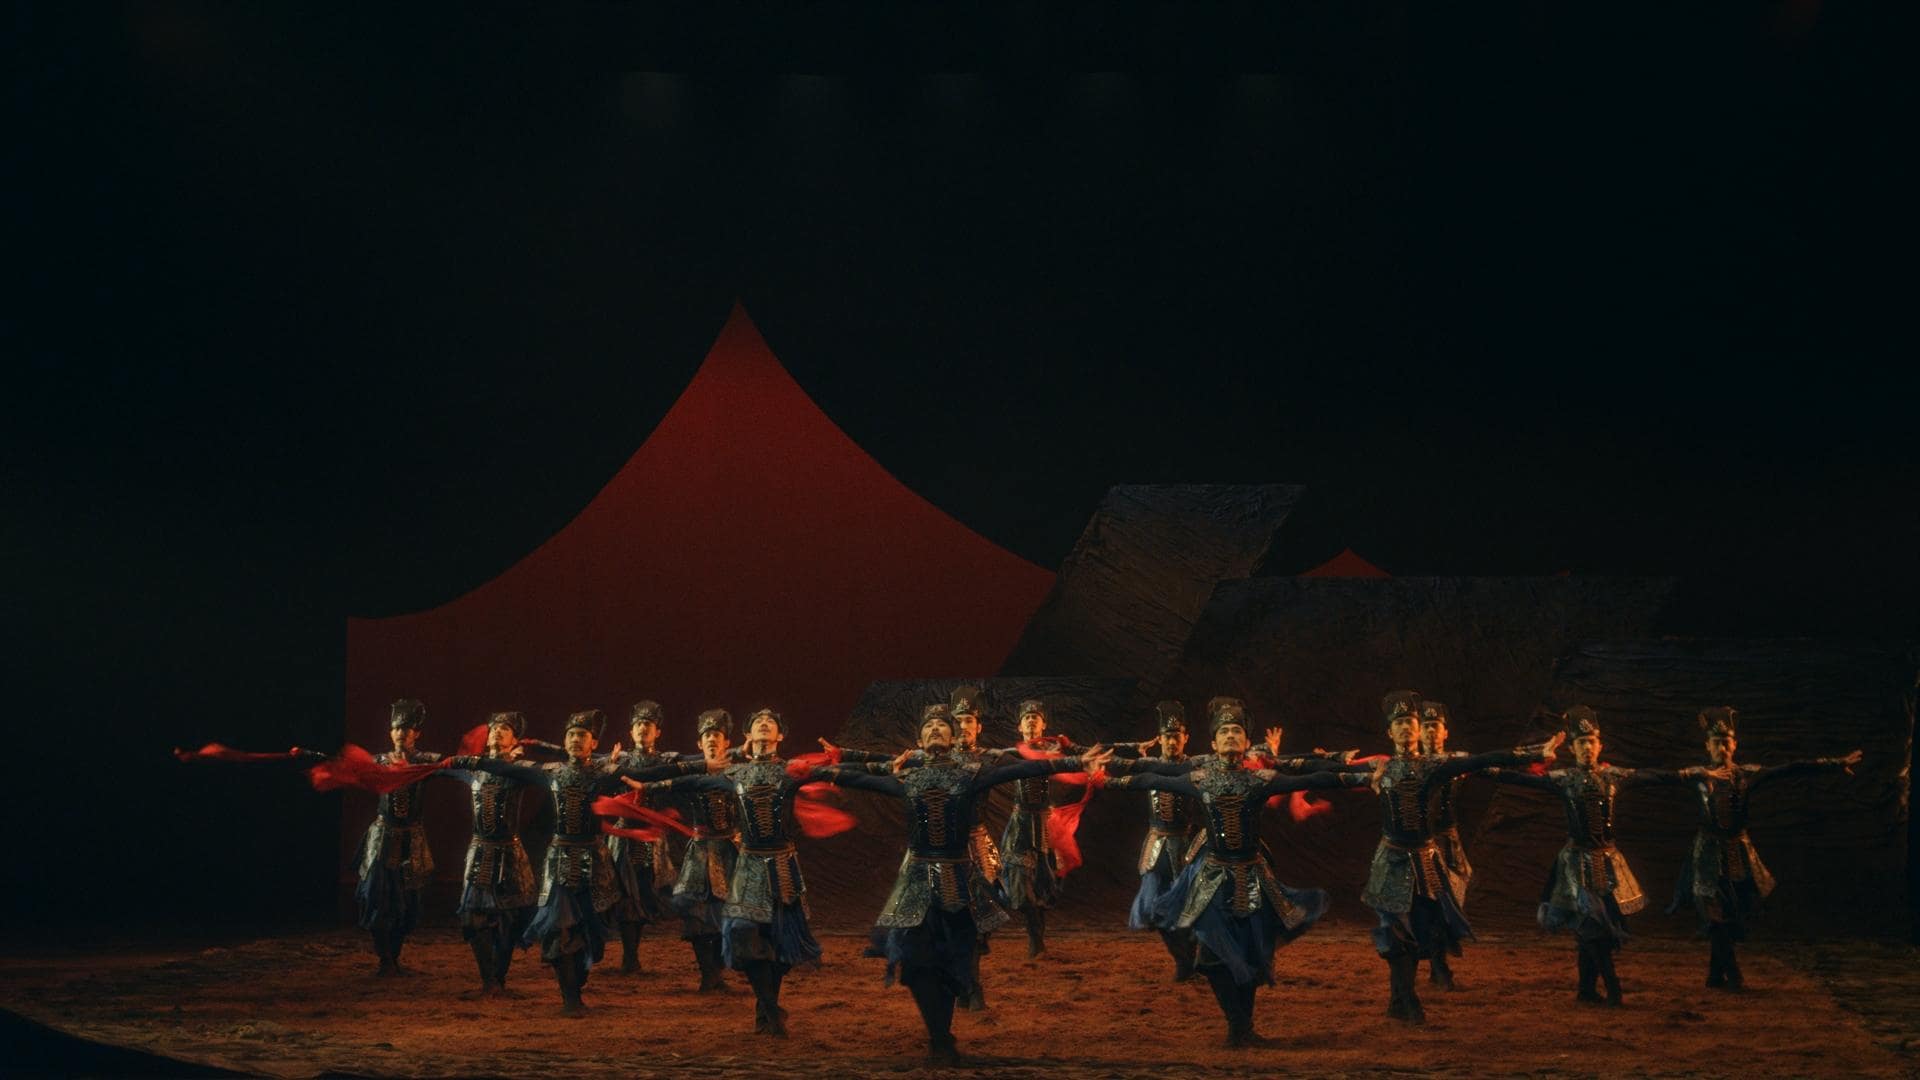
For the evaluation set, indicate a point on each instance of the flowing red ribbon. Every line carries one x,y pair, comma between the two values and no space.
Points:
1063,824
817,818
474,742
214,751
631,806
354,767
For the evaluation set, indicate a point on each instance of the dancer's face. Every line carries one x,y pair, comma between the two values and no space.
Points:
1032,726
501,740
713,744
966,729
937,734
404,738
1433,735
1230,739
763,735
1720,749
645,734
579,742
1173,743
1404,732
1586,750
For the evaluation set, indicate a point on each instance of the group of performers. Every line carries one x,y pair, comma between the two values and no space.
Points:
1207,881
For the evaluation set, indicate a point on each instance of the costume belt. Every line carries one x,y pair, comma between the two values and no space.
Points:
783,849
575,841
1414,849
704,833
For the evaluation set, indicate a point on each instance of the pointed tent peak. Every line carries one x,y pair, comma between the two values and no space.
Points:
739,344
1346,564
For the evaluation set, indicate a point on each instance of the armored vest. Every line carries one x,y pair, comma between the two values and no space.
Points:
1229,795
713,813
1589,804
1723,802
402,805
1168,811
573,789
496,806
764,793
942,811
1033,794
1404,802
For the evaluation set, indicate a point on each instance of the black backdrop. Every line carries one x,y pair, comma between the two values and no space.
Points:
327,315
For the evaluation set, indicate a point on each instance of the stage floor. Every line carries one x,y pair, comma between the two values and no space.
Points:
1099,1005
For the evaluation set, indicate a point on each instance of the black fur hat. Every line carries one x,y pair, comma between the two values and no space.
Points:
592,721
714,720
515,722
1398,703
1226,710
645,710
1719,720
1172,716
772,714
964,701
407,713
1579,721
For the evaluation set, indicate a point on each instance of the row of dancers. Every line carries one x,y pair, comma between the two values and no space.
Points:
1207,881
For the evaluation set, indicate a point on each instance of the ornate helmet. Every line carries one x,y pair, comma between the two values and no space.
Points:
1400,703
592,721
1719,721
513,721
964,701
714,720
937,711
1033,706
1431,711
1172,716
1226,710
771,714
1579,721
407,713
648,711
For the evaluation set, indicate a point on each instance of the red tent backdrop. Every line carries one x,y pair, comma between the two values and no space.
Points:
748,554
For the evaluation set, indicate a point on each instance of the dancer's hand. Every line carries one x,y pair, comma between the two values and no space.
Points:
1850,761
1096,759
1548,752
1273,740
900,760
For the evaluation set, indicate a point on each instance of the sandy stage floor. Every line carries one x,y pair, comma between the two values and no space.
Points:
1100,1005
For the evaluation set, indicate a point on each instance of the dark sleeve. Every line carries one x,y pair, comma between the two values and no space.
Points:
1128,752
1148,781
856,777
512,770
660,772
863,757
1024,769
1468,763
1285,782
705,781
1633,778
1796,768
1523,778
542,750
1157,766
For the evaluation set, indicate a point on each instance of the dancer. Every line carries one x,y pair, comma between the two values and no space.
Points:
1029,873
1724,879
932,921
1228,899
1590,890
764,932
642,869
1173,830
1410,885
395,862
497,897
576,889
1446,828
706,866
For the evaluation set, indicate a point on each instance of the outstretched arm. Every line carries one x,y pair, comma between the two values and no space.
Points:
1281,783
1460,766
1802,768
671,769
1522,778
1148,781
1031,767
704,781
512,770
863,778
